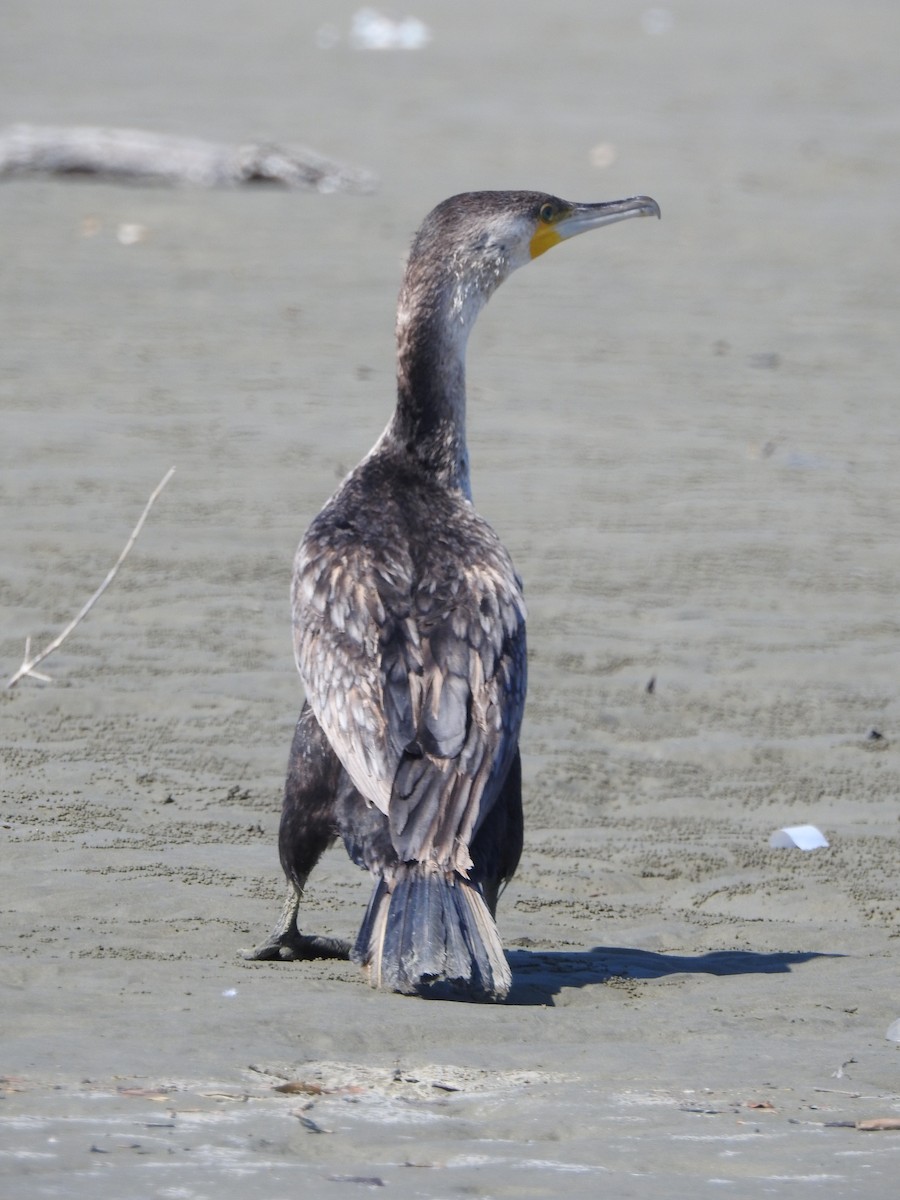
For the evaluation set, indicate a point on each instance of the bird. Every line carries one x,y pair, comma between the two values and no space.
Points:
409,637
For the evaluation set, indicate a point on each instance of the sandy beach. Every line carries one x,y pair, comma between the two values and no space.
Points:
687,432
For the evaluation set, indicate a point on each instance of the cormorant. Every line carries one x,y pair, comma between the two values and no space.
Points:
409,635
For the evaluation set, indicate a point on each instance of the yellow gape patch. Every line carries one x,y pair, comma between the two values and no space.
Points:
545,236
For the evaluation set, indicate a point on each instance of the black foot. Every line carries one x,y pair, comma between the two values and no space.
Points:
293,946
286,943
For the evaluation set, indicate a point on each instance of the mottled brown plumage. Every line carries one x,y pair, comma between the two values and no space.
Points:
409,635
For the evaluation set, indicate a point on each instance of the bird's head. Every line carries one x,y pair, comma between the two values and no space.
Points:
473,241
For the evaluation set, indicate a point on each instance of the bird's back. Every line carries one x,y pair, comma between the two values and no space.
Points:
409,627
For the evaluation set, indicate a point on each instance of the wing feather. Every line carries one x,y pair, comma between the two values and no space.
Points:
415,669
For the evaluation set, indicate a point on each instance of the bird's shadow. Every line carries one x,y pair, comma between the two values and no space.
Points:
539,975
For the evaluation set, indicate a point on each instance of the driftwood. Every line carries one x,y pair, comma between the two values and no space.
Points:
132,155
29,663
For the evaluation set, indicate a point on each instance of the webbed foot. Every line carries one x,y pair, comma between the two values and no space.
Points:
286,942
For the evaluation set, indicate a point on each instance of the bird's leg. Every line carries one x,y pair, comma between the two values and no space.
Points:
308,827
286,942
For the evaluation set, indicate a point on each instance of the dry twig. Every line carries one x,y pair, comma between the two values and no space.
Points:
29,663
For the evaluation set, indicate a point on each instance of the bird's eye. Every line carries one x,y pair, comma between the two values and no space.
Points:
548,212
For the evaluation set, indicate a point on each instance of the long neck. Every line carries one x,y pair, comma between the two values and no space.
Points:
438,305
430,417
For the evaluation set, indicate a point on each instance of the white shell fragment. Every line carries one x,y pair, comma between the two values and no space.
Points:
798,837
893,1031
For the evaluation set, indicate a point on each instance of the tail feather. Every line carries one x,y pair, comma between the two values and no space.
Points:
375,922
430,934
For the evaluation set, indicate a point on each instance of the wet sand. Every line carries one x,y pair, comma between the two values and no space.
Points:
686,432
